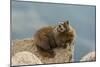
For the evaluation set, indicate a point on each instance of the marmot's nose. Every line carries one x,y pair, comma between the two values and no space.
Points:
61,29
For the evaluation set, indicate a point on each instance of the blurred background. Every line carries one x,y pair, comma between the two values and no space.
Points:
28,17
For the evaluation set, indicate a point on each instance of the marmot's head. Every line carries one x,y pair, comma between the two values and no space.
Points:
63,26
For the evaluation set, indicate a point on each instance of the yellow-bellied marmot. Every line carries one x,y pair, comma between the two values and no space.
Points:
48,38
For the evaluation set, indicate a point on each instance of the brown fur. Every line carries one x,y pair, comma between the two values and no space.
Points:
66,38
47,39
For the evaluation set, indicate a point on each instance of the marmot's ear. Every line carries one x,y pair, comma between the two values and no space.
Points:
66,22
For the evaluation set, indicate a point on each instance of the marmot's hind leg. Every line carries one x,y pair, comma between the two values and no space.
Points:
45,49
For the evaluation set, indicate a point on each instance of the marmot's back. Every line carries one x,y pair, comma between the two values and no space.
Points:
44,38
43,32
45,41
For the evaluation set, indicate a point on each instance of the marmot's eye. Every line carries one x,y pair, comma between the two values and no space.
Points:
60,26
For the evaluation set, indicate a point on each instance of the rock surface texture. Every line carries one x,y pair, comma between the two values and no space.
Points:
89,57
23,52
24,58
